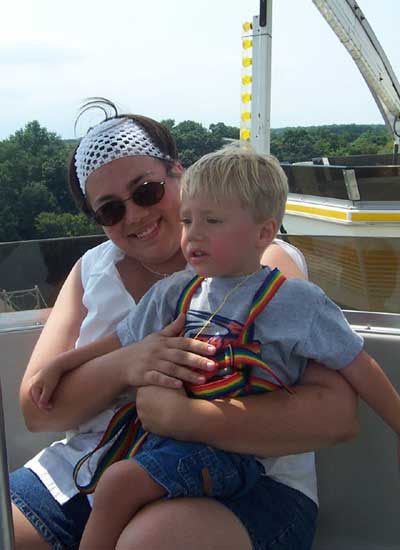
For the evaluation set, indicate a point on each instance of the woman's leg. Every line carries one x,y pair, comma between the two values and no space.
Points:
270,516
179,524
40,522
26,536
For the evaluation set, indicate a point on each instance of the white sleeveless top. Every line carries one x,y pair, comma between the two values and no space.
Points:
108,302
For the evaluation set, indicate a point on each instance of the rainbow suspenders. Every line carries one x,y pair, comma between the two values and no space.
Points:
236,356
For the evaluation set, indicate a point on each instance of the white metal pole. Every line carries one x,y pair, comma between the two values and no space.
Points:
261,85
6,525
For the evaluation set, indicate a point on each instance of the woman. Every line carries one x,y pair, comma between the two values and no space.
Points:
135,158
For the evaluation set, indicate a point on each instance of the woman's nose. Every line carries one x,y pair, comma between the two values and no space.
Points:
134,213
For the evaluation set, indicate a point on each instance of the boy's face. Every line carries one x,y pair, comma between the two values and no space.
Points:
222,238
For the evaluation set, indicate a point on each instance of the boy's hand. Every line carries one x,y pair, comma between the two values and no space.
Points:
42,388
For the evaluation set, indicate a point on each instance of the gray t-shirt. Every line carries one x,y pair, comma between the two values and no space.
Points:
298,324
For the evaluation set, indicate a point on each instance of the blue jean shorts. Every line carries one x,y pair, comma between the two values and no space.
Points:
275,516
187,469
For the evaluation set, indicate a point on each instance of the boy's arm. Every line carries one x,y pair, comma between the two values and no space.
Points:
76,357
374,387
44,383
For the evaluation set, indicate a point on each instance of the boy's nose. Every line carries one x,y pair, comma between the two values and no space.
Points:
195,233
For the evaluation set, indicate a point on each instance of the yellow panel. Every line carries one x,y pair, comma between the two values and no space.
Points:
375,216
317,211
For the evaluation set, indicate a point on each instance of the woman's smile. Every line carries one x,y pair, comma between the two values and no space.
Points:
147,232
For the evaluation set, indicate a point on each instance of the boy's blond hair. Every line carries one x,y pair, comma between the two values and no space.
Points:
256,180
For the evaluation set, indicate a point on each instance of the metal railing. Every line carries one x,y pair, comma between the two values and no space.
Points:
6,524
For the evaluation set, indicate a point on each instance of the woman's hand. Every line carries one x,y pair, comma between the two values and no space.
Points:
166,359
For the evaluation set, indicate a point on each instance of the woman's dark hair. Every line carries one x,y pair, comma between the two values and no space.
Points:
159,134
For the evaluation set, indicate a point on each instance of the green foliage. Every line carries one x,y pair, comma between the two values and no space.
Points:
194,140
33,179
222,130
301,144
35,200
49,225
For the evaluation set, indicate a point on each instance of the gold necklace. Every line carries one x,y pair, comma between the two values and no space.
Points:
221,305
163,275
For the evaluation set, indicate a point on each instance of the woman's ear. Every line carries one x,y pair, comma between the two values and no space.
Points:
176,169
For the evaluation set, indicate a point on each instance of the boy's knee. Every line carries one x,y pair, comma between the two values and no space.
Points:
113,482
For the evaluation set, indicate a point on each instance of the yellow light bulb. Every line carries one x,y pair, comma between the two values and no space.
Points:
245,134
247,26
246,80
247,61
247,43
246,97
246,115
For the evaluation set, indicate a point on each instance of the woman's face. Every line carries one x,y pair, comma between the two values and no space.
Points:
149,234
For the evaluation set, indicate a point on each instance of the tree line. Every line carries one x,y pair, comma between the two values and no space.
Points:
34,197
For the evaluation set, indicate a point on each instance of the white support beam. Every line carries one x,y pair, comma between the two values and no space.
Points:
261,85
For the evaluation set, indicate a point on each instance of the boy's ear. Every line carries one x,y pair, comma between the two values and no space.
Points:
268,231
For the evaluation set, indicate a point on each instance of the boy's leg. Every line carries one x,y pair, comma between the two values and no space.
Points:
123,489
189,469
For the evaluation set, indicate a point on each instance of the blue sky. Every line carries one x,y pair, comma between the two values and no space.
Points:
178,59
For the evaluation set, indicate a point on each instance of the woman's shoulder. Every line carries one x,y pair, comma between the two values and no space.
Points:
101,251
294,253
99,258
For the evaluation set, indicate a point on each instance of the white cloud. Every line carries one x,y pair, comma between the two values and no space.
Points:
178,59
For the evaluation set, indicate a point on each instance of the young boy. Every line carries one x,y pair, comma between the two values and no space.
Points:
265,329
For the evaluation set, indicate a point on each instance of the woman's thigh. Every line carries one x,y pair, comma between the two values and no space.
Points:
26,535
40,522
183,523
270,516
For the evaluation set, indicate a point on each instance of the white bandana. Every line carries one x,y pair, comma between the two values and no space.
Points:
111,140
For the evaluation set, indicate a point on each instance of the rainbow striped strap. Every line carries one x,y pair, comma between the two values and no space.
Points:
122,431
242,354
241,359
185,298
266,291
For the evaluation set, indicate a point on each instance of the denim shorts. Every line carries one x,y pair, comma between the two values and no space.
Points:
275,516
187,469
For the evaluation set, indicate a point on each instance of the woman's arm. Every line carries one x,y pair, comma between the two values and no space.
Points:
320,414
71,399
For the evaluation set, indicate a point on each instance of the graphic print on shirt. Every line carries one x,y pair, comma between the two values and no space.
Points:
238,353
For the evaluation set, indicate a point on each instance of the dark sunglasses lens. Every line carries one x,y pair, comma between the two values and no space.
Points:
110,213
149,193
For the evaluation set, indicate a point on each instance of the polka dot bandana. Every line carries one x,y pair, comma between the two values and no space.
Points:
111,140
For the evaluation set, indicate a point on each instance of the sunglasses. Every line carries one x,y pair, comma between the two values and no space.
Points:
148,193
